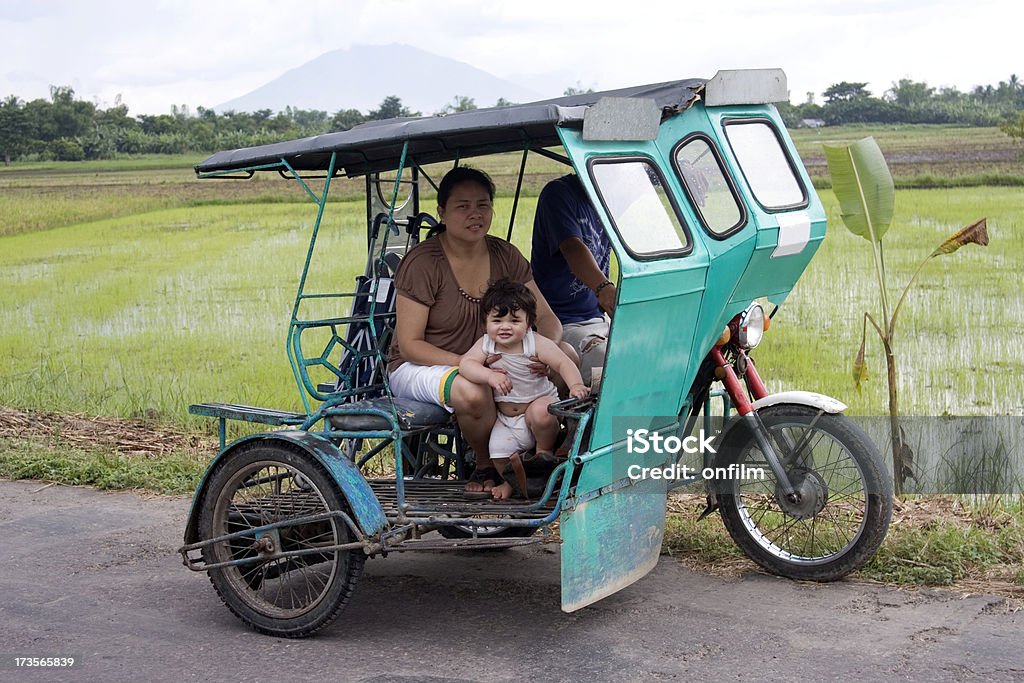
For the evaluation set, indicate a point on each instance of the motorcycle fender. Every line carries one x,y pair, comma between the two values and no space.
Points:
823,403
367,511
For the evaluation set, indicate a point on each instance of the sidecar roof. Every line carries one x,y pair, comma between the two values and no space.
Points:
377,145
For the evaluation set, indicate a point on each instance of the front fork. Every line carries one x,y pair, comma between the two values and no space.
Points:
726,372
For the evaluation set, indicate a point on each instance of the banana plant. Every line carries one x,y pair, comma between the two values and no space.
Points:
864,188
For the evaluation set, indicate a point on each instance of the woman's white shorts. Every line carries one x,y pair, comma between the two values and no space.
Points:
426,383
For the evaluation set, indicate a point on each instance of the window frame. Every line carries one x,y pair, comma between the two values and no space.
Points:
729,181
662,254
740,121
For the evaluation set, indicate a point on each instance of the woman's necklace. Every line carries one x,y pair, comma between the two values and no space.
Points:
446,247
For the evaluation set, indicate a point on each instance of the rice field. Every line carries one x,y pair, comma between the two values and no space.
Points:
128,288
957,338
143,314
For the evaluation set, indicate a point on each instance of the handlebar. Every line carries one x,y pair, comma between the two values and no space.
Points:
572,407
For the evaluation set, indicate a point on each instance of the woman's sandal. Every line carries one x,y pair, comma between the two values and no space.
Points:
482,475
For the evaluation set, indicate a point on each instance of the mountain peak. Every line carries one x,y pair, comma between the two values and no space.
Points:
361,76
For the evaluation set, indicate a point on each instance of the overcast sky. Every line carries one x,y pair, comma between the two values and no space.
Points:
203,52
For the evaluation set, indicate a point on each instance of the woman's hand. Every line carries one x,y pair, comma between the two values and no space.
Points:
538,367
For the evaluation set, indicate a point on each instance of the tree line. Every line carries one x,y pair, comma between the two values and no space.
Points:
909,101
66,128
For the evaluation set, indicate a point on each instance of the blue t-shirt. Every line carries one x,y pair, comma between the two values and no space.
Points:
564,211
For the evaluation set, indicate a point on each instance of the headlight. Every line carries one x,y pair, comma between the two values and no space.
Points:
752,326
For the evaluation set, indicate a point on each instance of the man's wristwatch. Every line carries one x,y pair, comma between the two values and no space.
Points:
601,286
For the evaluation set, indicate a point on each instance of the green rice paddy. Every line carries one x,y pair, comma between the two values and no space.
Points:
144,314
129,288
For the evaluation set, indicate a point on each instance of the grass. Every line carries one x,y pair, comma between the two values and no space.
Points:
923,156
139,162
36,202
142,315
933,541
173,473
956,335
43,196
147,313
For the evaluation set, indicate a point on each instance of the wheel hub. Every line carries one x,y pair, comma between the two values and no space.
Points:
810,497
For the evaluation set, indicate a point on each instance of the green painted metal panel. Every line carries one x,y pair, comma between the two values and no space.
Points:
610,542
659,301
766,274
649,354
669,314
726,256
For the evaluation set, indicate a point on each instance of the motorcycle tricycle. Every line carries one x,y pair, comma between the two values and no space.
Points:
712,219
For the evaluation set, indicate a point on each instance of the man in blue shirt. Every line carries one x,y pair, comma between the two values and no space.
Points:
570,259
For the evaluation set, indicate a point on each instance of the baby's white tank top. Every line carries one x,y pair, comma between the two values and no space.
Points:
526,386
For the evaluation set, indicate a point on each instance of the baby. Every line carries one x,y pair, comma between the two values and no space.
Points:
522,397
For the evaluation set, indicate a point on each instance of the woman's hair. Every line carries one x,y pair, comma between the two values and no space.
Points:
506,295
459,175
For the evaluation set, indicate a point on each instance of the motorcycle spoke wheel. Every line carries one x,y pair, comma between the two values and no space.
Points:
287,596
844,498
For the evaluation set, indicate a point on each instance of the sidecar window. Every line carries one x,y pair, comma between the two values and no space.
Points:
765,164
708,186
642,212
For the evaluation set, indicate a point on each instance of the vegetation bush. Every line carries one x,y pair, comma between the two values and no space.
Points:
65,128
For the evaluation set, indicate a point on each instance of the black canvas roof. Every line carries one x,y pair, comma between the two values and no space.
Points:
377,145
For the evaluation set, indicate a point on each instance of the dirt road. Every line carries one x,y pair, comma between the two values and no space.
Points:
95,575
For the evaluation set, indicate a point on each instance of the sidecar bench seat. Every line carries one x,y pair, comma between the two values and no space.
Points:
229,411
366,415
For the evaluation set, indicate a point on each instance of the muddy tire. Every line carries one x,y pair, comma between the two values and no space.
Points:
845,500
287,597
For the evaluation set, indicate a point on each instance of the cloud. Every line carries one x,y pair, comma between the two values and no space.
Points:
169,51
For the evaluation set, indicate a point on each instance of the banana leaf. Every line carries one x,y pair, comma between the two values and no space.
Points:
863,185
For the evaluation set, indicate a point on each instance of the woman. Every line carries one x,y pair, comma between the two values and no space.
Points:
439,286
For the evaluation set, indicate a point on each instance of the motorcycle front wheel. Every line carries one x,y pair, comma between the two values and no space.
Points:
843,502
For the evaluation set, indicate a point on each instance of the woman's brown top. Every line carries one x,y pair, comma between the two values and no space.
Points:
455,320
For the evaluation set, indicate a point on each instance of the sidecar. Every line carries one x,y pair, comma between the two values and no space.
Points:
707,207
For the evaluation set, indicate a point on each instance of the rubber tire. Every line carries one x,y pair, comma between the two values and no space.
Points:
350,563
874,478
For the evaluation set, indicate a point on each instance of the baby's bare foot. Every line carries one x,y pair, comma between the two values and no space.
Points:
502,491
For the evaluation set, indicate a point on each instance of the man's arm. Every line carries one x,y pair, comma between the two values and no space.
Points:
584,267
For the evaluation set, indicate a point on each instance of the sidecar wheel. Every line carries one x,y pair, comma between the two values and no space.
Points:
845,501
287,597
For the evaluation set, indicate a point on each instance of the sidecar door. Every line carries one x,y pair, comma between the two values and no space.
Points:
612,529
681,276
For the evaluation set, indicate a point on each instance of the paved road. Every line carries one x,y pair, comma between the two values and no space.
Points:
96,575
